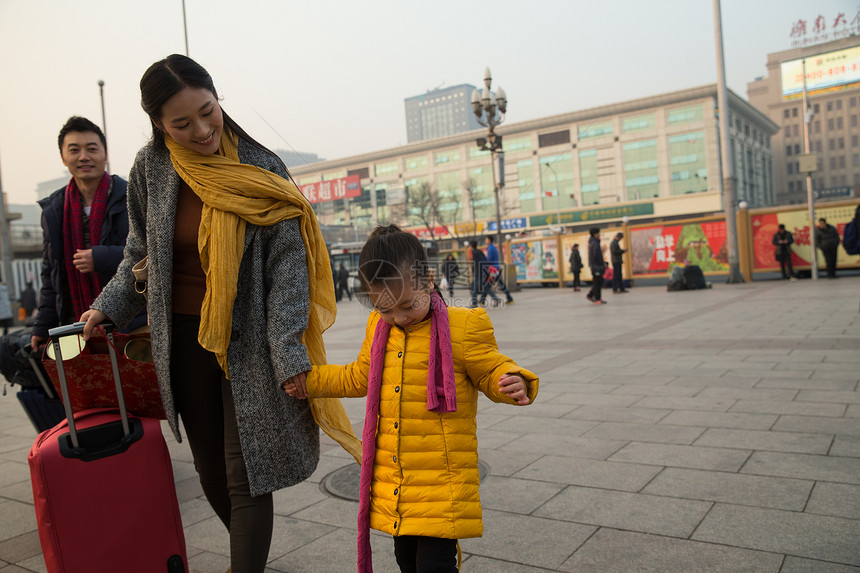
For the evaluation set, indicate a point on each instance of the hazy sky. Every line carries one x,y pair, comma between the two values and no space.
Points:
330,76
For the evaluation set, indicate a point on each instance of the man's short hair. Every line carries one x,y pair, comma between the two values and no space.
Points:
491,238
619,235
473,244
594,231
781,227
80,124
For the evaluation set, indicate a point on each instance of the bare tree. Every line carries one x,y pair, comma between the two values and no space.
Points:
424,204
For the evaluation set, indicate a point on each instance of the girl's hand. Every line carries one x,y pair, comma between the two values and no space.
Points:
515,387
295,386
92,317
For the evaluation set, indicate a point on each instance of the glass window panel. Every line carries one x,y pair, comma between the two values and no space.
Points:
640,169
413,163
447,156
687,161
481,193
385,168
588,182
648,121
526,186
595,130
516,144
685,114
556,181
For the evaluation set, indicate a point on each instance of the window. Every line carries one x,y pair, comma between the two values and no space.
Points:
816,108
638,122
831,144
746,130
687,162
640,169
840,161
791,186
853,121
817,146
475,152
685,114
855,160
852,102
526,186
450,199
842,180
414,163
855,141
363,173
816,126
839,123
788,150
555,138
595,130
588,177
385,168
839,104
840,143
794,130
787,131
481,193
791,168
797,149
518,144
786,113
832,162
556,181
794,112
830,124
830,106
447,156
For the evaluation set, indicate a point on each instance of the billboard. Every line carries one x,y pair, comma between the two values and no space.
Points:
825,72
657,249
797,223
323,191
536,260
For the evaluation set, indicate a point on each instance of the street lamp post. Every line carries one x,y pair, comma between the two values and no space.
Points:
485,107
104,122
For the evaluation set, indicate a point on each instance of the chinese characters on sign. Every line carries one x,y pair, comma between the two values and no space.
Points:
664,245
804,33
323,191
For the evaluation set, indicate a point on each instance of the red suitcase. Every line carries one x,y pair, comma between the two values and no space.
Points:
103,489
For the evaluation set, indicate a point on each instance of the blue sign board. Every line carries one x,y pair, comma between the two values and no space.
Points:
829,192
508,224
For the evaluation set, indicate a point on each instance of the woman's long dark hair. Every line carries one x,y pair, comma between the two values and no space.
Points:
165,78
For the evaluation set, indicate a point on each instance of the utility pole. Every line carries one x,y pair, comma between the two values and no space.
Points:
6,245
809,164
185,28
104,123
730,202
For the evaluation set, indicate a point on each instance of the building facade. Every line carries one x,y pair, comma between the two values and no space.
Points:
440,113
649,158
833,85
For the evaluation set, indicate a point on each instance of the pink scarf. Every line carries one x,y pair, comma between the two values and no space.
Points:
440,384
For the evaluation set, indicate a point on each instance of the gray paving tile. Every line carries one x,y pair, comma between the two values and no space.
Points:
829,396
799,408
645,390
835,499
596,399
611,551
799,565
331,511
506,462
848,446
843,426
546,426
853,411
671,455
814,383
21,547
807,443
741,489
710,380
540,409
529,540
787,532
757,393
613,414
292,499
516,495
18,519
595,473
720,420
335,551
480,564
715,404
645,433
803,466
575,447
629,511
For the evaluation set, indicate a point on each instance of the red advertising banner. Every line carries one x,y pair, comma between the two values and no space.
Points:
657,249
342,188
797,223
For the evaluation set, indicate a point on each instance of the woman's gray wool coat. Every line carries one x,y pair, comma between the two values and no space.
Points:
280,440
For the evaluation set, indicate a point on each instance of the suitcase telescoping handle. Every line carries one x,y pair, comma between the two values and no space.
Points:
76,329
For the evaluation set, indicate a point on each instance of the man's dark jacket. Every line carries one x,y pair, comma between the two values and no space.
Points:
55,304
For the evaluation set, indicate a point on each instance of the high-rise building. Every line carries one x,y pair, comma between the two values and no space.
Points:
440,113
833,88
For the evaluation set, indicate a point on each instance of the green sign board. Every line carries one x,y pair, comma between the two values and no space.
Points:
597,214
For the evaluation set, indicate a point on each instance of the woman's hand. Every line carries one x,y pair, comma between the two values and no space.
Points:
295,386
92,317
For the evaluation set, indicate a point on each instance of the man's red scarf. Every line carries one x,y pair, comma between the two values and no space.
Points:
83,287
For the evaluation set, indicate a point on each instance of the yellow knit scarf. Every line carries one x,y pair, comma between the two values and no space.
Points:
234,194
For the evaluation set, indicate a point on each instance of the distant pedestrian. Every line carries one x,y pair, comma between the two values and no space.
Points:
28,300
575,266
342,282
783,240
450,270
616,254
495,269
480,279
5,309
827,239
597,265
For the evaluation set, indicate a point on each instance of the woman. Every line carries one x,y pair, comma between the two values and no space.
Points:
450,270
239,293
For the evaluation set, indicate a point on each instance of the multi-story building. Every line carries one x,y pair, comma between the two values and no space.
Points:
649,158
833,87
440,113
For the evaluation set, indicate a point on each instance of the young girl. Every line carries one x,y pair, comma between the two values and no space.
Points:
421,366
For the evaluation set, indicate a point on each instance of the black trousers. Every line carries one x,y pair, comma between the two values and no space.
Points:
830,259
417,554
596,286
785,263
617,281
204,400
576,283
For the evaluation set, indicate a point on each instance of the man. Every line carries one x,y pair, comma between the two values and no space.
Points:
575,266
84,226
495,277
597,265
783,240
342,282
616,254
827,239
480,279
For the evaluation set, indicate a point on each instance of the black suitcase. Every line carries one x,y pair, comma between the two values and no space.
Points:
694,277
43,411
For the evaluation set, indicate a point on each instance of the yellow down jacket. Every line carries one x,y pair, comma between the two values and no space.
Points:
425,474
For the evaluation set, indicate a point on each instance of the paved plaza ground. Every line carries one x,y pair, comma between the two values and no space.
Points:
702,431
